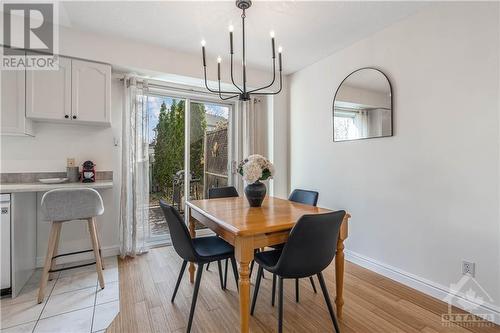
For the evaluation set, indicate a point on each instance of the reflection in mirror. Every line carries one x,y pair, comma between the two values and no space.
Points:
362,107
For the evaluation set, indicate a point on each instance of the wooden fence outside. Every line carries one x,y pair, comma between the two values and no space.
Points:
216,159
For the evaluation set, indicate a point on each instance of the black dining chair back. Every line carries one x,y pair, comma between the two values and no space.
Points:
222,192
304,196
311,245
309,250
179,234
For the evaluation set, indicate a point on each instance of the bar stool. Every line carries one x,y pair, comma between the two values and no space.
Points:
66,205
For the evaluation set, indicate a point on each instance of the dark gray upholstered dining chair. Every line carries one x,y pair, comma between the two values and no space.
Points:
200,250
307,252
306,197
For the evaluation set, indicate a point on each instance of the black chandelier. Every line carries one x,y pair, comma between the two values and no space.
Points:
242,93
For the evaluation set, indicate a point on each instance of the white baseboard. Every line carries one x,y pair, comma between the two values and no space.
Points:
425,286
106,252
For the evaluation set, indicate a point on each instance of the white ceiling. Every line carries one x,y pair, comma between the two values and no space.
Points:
308,31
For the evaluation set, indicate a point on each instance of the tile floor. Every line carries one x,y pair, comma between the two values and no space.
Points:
74,303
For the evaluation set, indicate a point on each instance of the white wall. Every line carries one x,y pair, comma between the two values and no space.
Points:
278,140
427,198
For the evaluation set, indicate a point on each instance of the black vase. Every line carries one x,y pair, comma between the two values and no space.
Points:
255,193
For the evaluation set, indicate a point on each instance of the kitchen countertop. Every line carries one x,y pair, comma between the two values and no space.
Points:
40,187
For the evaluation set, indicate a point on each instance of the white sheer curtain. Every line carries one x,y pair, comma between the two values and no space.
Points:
253,128
254,114
361,122
248,126
134,200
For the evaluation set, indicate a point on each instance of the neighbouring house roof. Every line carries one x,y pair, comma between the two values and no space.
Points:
212,120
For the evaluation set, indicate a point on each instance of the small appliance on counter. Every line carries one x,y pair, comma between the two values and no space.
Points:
88,172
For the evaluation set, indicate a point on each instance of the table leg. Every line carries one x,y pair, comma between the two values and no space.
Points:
339,268
244,255
192,232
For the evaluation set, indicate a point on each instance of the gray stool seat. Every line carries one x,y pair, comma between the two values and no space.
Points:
64,205
71,204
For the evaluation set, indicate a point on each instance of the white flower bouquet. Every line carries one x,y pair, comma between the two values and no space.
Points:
255,168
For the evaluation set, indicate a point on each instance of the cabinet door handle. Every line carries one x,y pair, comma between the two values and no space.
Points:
66,116
74,117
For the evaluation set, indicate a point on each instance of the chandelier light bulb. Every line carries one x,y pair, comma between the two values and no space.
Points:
203,43
280,49
271,33
231,28
219,59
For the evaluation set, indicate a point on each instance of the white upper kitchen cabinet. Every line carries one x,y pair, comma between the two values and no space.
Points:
48,92
91,92
12,113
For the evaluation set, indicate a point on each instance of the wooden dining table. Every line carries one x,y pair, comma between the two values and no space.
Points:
249,228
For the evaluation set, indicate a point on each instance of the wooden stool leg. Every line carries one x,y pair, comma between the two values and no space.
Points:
100,250
95,245
56,250
54,230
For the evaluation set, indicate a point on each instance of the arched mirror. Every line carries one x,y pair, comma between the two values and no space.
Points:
362,107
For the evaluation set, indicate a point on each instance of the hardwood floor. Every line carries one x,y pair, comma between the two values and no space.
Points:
373,303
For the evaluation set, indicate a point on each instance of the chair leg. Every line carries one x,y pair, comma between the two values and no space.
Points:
100,252
219,266
56,249
235,272
328,302
199,271
313,284
95,245
280,304
208,265
48,260
297,290
273,296
251,269
181,273
225,274
256,289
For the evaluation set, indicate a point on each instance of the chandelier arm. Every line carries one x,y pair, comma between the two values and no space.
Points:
229,97
276,92
232,78
206,83
225,98
272,82
216,91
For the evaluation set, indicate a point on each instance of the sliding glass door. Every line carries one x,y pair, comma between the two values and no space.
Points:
180,171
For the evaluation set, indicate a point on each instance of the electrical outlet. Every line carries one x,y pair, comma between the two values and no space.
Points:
468,268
